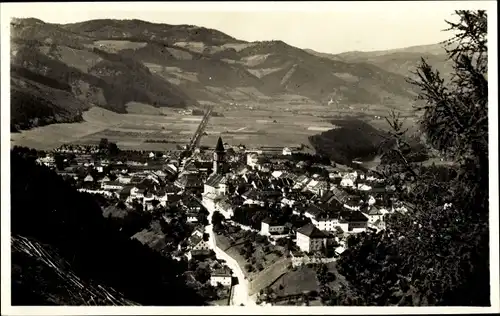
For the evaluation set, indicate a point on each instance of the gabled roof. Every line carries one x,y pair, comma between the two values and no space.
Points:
374,211
315,210
311,231
222,272
353,216
189,180
272,222
194,240
215,180
327,197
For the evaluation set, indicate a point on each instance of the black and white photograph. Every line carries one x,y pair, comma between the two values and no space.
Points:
249,157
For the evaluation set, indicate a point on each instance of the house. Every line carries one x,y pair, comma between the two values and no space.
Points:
287,151
287,202
189,182
324,219
314,211
216,184
198,246
363,187
221,276
271,226
113,185
252,160
353,203
225,208
374,214
190,204
192,217
301,182
137,193
124,179
339,250
252,197
347,183
104,179
311,239
357,221
88,178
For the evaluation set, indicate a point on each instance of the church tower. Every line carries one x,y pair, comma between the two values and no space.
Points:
219,158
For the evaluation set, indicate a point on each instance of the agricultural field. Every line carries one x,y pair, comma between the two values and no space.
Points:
129,131
278,123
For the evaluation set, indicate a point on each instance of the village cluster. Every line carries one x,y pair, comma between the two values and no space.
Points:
308,206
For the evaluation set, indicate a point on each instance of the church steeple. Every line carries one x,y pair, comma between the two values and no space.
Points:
220,146
219,157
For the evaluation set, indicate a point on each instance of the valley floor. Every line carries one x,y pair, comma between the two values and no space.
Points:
147,128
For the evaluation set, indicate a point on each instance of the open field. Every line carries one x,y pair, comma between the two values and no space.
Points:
296,282
278,123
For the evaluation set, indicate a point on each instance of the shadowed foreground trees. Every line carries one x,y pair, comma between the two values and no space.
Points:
46,209
438,252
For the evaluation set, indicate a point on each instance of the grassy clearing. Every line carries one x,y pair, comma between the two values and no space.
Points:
301,280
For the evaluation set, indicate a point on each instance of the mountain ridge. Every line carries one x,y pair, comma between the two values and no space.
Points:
108,63
403,61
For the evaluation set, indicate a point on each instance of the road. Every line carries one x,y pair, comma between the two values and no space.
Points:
199,131
240,291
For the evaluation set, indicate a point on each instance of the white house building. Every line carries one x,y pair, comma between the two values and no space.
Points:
225,208
311,239
252,160
112,185
373,214
287,151
270,226
216,184
221,276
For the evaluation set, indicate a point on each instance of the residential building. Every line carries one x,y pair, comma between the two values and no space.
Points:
192,217
221,276
374,214
287,151
271,226
357,221
252,160
216,184
112,185
311,239
225,208
197,246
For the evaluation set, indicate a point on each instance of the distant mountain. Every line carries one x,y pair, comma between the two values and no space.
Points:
58,71
402,61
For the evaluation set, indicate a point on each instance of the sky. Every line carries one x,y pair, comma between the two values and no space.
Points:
330,27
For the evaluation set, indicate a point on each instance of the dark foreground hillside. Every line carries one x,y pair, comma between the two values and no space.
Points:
60,239
354,139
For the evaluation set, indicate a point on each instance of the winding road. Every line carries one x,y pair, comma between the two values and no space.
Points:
240,290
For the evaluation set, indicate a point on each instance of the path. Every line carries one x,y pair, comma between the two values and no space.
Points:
240,291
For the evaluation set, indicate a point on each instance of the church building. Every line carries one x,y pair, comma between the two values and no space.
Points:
216,184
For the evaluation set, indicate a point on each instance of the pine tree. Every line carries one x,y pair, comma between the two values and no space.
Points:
437,253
